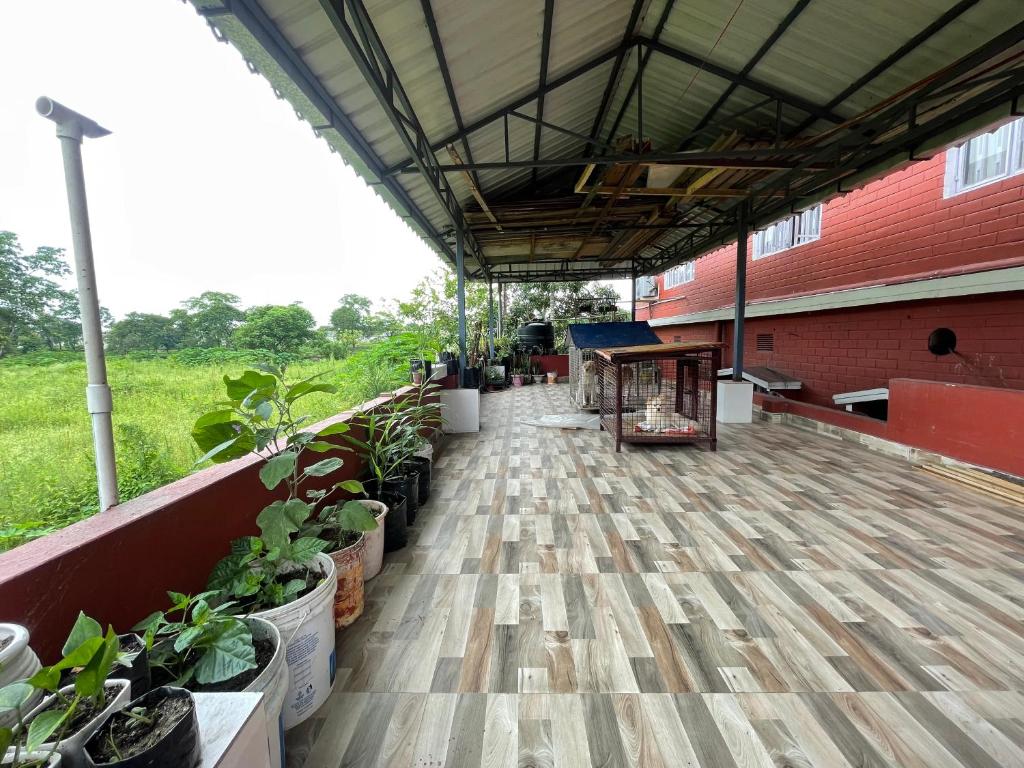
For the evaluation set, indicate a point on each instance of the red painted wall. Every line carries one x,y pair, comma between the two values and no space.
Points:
557,363
118,565
893,230
864,347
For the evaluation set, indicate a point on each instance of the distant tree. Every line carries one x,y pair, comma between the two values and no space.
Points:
432,311
209,319
143,331
276,328
352,313
35,312
561,303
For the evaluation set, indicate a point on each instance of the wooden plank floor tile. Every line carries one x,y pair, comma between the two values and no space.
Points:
790,600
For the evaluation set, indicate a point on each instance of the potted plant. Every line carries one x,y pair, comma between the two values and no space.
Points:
494,377
373,548
158,730
204,648
68,716
278,575
345,525
517,378
538,377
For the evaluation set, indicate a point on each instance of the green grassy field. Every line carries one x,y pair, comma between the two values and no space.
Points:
47,477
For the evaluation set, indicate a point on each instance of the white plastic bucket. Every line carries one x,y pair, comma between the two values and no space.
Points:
307,630
373,556
72,747
17,662
272,682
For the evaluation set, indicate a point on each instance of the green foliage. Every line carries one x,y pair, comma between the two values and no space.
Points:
432,312
276,328
271,569
209,319
352,314
202,642
381,367
35,312
143,331
562,303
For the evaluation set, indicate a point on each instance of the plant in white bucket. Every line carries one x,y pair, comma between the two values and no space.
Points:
281,575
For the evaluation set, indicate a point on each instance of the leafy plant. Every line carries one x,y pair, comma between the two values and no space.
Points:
204,643
13,698
92,653
271,569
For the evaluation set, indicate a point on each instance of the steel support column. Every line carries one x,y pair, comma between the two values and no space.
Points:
741,292
632,298
460,282
490,319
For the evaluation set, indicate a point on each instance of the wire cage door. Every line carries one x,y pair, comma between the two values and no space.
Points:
583,378
663,399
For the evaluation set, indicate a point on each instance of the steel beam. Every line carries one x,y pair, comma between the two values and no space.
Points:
545,48
744,80
783,25
741,292
460,299
613,78
355,29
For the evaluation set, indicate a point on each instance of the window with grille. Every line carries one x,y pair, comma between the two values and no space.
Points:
985,159
800,228
684,273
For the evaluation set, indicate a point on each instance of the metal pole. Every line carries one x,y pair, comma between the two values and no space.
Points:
490,318
632,299
741,293
71,127
460,279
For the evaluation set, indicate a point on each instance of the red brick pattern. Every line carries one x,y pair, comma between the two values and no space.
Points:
893,230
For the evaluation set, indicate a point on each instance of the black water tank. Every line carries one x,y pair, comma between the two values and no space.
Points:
537,336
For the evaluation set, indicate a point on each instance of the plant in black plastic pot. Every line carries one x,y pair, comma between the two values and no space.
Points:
69,715
158,730
281,575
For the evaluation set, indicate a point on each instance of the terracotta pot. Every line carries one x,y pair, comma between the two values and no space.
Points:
348,600
517,380
417,377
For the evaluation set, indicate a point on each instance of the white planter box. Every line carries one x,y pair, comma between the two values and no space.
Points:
233,727
461,410
735,402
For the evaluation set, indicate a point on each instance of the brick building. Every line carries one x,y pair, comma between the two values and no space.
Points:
843,296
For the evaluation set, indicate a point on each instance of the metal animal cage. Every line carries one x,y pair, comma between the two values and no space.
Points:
663,393
582,339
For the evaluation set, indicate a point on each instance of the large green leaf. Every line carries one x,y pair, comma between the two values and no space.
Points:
356,517
278,520
338,428
6,738
14,696
229,654
91,679
278,468
83,629
352,486
324,467
42,727
222,440
249,382
305,549
304,388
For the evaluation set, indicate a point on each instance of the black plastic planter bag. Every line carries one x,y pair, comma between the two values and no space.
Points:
138,673
396,533
179,748
421,464
412,495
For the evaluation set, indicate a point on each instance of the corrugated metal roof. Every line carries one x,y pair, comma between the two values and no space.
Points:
697,53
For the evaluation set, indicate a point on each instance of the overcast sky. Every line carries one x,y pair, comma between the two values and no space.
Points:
208,182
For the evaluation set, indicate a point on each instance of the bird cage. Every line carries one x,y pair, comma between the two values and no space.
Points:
663,393
583,338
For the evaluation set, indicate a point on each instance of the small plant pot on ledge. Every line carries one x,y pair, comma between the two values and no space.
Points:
373,554
348,598
157,730
72,745
308,626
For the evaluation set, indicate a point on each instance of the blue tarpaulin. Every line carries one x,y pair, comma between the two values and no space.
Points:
604,335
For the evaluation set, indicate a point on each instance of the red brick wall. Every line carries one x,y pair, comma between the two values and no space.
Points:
892,230
862,348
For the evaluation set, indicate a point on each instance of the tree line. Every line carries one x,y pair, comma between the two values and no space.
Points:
37,313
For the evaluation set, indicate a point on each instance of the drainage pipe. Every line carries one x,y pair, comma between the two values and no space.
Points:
71,128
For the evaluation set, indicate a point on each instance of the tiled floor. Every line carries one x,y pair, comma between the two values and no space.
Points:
791,600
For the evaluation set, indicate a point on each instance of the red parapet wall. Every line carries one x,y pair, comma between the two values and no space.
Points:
557,363
977,425
118,565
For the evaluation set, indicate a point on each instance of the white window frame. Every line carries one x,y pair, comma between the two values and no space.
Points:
790,232
680,275
957,157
